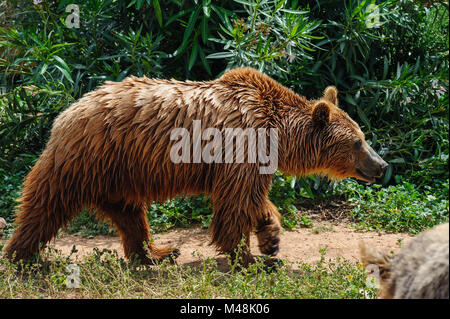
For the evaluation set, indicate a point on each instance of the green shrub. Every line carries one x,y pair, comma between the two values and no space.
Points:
180,212
26,117
10,190
400,208
270,37
88,224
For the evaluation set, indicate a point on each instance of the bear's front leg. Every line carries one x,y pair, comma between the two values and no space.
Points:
230,230
240,206
231,227
268,230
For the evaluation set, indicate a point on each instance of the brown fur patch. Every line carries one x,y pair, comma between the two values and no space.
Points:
419,271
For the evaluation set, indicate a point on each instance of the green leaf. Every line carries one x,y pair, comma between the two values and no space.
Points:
246,3
307,188
43,69
294,11
220,55
158,13
207,8
399,71
279,5
387,175
350,99
189,29
294,29
358,9
204,61
131,3
292,184
204,30
416,67
193,56
65,73
363,116
175,17
397,160
385,68
62,63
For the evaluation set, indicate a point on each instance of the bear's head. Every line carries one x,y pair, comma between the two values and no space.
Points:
341,149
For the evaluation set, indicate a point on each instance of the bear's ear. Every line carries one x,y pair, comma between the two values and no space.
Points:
330,94
321,113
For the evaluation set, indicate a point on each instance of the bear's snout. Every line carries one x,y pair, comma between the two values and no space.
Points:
384,166
370,165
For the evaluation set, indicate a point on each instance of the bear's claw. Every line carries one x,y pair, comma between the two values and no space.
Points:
175,253
269,239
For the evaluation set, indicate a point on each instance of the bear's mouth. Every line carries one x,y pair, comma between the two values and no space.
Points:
365,177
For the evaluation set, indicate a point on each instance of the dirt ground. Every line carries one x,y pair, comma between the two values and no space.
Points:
298,245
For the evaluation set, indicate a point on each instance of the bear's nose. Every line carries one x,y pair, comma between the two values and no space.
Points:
383,166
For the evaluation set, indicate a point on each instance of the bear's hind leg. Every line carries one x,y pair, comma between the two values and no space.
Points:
42,212
131,223
35,229
38,222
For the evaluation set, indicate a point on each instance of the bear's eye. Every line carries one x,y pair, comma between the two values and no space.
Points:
358,144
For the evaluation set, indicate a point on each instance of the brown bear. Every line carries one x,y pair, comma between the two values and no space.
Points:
419,271
112,152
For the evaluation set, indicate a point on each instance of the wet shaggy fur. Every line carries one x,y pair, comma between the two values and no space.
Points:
110,152
419,271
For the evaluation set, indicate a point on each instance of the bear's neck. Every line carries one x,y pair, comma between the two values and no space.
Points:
298,147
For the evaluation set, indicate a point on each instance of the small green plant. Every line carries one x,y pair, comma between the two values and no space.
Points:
322,228
400,208
181,212
86,224
306,221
